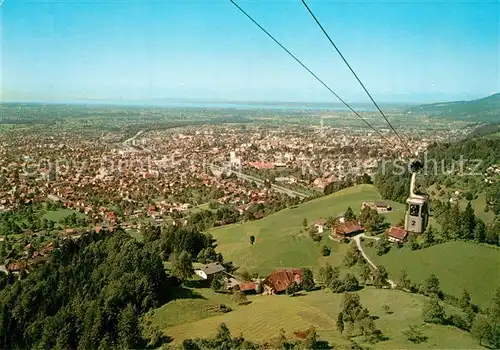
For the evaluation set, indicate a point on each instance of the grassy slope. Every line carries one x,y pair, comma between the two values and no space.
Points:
190,307
478,204
266,315
278,239
457,264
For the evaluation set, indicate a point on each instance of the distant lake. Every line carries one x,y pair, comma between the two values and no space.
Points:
240,105
282,106
232,105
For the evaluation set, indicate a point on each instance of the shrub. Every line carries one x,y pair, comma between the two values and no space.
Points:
459,322
325,251
224,308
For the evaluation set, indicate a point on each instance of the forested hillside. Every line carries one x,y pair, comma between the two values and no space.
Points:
461,165
93,291
484,109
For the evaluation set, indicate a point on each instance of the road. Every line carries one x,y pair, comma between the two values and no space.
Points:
134,137
126,143
357,239
246,177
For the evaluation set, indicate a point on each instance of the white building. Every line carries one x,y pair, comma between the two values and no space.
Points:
207,270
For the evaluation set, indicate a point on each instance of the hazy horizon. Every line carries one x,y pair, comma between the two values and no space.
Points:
409,52
207,102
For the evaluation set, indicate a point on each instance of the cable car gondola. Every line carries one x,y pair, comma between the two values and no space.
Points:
417,215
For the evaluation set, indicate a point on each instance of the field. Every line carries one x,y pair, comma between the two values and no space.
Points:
279,242
457,264
263,318
56,215
479,204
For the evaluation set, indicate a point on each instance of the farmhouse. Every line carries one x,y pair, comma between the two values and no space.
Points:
244,286
347,229
397,234
208,270
320,225
279,280
17,266
380,207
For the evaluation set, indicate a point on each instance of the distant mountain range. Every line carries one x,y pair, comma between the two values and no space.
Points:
485,109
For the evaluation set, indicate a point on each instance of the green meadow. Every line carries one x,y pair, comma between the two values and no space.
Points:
262,319
279,241
458,265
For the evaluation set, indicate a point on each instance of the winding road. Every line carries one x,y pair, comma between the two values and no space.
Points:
357,239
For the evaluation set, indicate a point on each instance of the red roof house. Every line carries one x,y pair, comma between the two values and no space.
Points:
348,229
248,286
397,234
279,280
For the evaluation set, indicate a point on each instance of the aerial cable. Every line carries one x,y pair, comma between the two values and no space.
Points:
356,76
310,72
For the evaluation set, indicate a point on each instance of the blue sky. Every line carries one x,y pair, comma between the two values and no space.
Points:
142,50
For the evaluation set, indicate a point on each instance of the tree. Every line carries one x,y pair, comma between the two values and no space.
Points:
182,266
252,239
366,271
238,296
467,222
128,328
429,238
325,251
223,333
351,307
464,301
380,277
431,287
207,255
312,341
493,197
368,329
350,282
325,274
433,312
308,280
493,314
352,256
340,322
292,289
414,334
314,235
481,329
330,221
404,282
480,231
452,222
217,283
383,245
349,215
493,232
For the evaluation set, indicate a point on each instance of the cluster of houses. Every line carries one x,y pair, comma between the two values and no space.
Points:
278,281
30,258
350,229
343,229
